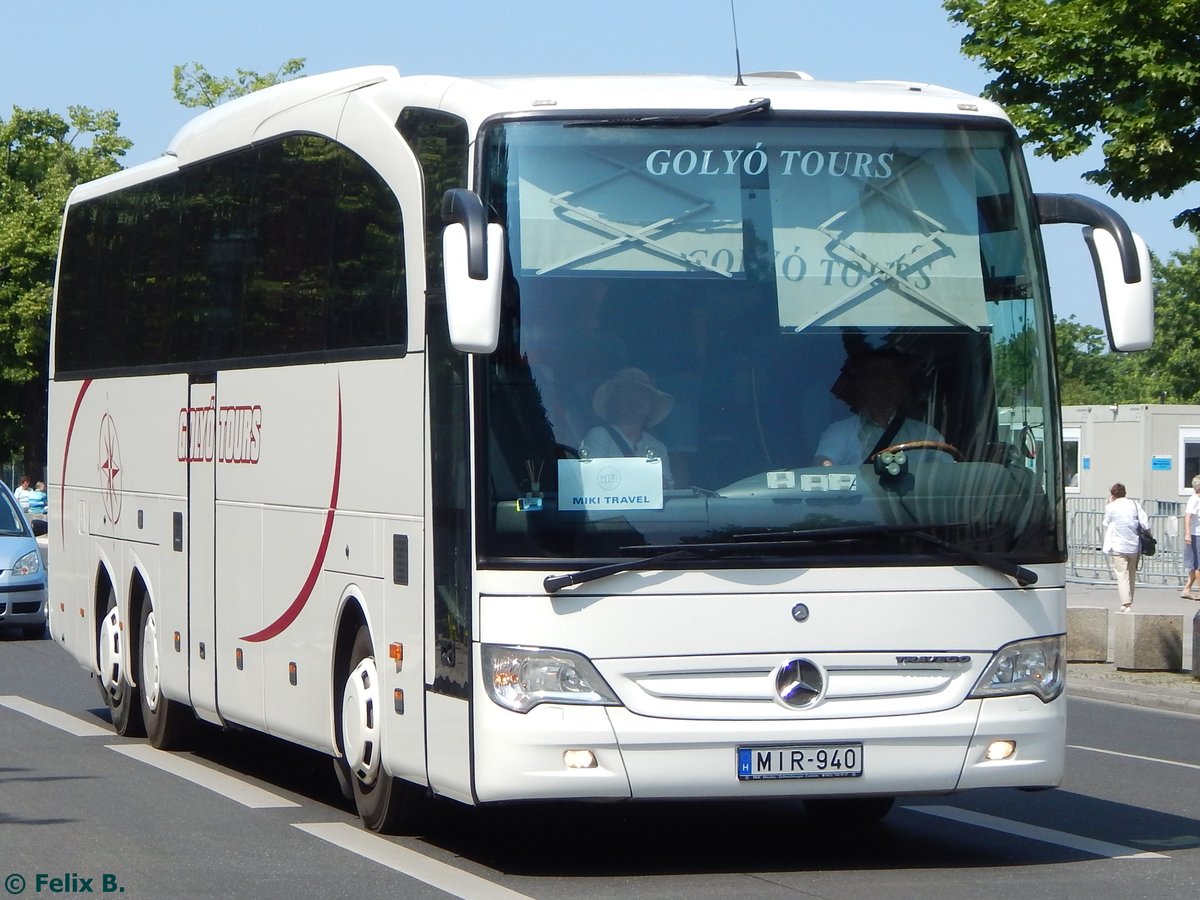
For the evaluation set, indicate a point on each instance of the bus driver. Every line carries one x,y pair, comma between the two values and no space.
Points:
876,385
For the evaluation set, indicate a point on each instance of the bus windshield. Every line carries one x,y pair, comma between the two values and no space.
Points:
766,327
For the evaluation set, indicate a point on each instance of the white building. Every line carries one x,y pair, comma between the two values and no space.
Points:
1154,450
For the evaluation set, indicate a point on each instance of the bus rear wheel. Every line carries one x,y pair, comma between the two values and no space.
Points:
168,724
384,803
120,696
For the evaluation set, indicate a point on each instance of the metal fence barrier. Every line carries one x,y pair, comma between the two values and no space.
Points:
1085,533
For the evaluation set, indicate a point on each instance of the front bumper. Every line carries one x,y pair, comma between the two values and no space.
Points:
521,757
23,607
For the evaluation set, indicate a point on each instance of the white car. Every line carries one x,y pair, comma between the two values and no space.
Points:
22,572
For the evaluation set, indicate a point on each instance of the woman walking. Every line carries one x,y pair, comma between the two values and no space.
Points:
1122,517
1191,543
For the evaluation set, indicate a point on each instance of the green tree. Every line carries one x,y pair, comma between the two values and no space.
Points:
45,156
1087,372
1069,71
1169,372
194,86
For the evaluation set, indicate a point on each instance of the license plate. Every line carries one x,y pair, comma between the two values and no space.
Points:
800,761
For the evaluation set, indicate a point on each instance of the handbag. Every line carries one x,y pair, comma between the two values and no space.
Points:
1147,545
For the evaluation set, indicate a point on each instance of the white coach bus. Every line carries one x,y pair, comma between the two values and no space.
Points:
577,438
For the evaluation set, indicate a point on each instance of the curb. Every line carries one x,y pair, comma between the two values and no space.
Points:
1134,695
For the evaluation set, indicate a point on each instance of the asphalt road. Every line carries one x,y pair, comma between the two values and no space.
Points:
244,815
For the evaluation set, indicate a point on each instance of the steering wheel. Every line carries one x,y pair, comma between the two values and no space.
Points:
954,452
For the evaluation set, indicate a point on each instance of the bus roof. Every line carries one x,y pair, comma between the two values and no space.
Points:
787,91
238,122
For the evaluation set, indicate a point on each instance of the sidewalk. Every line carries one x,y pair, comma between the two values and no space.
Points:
1175,691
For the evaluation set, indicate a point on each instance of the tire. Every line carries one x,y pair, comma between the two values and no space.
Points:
169,725
120,696
849,811
385,804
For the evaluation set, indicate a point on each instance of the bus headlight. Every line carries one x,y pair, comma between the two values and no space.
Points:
1036,666
519,678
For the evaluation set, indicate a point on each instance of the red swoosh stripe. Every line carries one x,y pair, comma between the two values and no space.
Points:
289,615
62,482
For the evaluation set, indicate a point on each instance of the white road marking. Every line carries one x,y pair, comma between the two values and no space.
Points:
408,862
218,782
1153,759
51,716
1034,832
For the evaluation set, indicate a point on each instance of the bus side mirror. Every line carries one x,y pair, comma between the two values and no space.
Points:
1122,266
1128,306
473,263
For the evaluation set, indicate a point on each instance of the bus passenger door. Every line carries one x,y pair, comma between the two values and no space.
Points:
199,537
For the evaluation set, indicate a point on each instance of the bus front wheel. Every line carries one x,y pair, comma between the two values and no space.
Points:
384,803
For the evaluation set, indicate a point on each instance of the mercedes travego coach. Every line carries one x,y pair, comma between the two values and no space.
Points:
577,438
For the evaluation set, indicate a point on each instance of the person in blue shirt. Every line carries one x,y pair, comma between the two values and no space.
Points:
37,499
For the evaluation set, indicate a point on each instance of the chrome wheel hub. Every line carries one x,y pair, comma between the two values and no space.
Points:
360,721
112,652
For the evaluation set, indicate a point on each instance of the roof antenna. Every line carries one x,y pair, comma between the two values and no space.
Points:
737,53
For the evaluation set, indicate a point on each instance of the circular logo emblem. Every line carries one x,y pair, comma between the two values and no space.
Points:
799,683
609,478
110,468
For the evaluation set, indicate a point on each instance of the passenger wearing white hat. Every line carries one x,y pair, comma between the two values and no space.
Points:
627,404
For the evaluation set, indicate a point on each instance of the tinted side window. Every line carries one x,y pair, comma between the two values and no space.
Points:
440,143
367,300
292,248
214,244
291,231
75,290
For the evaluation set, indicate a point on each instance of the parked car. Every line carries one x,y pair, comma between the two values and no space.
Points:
22,573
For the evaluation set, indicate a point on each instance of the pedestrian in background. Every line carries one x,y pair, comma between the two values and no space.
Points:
37,500
1122,517
21,493
1191,543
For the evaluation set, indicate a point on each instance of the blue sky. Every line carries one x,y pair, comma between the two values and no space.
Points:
119,55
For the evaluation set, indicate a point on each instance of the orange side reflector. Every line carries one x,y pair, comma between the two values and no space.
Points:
396,652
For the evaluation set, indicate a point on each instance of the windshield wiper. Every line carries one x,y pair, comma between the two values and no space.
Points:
554,583
684,119
660,553
784,540
1023,576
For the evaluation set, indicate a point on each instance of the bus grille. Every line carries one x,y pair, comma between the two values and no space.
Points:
853,685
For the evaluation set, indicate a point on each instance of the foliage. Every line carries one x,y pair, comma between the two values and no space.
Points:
1169,372
1069,71
1086,372
194,86
45,156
